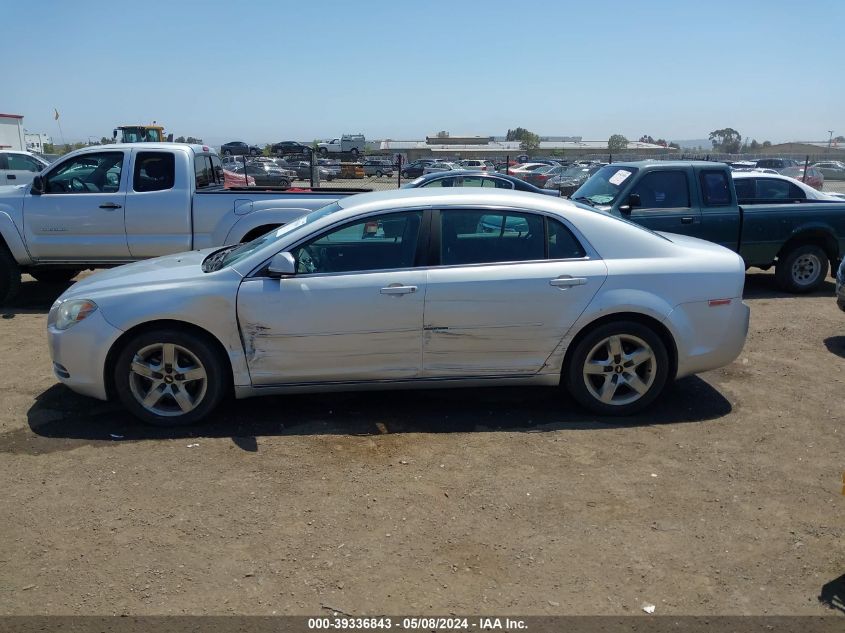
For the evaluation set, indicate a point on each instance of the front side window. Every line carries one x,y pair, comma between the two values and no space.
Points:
482,237
382,242
478,181
154,171
22,162
715,188
663,190
89,173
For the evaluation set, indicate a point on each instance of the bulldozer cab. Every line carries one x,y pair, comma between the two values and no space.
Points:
139,134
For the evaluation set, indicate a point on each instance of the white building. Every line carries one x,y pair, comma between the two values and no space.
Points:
11,132
35,141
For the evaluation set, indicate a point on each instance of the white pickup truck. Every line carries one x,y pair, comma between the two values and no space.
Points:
108,205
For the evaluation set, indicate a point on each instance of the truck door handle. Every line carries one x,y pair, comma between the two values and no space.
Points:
687,220
398,289
110,205
565,281
11,177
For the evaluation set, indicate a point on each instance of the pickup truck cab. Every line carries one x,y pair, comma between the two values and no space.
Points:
352,144
699,198
108,205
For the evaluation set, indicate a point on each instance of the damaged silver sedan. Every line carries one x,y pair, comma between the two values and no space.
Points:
407,289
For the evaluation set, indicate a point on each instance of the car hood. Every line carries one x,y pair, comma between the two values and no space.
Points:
159,271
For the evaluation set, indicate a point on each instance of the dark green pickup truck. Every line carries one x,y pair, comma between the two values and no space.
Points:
801,237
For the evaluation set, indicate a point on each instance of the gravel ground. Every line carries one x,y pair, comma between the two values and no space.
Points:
725,498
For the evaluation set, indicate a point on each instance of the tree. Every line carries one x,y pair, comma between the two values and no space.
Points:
194,141
674,146
617,143
726,140
180,139
516,134
529,142
839,139
645,138
767,143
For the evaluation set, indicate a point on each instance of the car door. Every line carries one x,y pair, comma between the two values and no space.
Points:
353,312
508,287
80,215
19,169
665,202
158,202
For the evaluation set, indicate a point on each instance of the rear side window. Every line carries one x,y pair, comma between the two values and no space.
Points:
715,188
774,189
482,237
744,189
4,163
202,166
562,243
217,169
154,171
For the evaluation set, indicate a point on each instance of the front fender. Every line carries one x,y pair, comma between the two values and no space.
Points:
13,238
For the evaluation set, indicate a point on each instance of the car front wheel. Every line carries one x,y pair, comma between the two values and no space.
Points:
169,377
618,368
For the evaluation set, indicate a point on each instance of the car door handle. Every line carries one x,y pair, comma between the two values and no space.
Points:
398,289
687,220
565,281
110,205
11,177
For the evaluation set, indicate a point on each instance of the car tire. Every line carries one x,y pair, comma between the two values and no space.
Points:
54,275
252,152
379,174
354,152
141,372
802,269
323,151
10,276
623,383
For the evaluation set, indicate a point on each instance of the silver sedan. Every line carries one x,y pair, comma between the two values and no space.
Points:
407,289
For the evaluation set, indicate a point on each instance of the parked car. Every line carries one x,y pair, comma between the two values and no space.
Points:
773,188
477,165
831,169
776,163
335,301
416,168
523,168
539,177
289,148
699,198
86,211
814,176
239,148
301,168
440,166
571,178
332,167
353,144
19,168
378,168
468,178
264,175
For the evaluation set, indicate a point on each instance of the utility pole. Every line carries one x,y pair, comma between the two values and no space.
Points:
830,140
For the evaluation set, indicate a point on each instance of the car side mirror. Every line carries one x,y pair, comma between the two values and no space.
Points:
37,186
282,265
633,201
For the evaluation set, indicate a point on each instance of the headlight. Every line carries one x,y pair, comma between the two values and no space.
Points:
63,315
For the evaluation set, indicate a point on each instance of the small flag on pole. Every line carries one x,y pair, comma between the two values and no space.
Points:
56,115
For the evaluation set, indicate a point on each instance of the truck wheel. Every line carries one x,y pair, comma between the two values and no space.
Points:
10,276
54,275
169,377
354,152
802,269
379,174
618,368
323,151
252,152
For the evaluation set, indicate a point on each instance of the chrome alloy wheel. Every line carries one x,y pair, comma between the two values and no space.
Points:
806,269
620,369
167,379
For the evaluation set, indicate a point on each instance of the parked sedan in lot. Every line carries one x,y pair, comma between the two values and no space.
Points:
831,169
239,148
264,175
335,301
440,166
469,178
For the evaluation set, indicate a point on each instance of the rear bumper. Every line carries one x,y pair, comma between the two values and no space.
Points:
708,336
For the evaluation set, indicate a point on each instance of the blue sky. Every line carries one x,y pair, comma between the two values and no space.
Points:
268,71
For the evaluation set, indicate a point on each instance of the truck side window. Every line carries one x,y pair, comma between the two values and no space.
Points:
202,166
87,173
217,168
663,190
154,171
715,189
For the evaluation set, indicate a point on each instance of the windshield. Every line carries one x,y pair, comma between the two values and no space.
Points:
605,185
230,254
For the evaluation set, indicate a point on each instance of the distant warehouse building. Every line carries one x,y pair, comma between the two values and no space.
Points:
487,147
11,132
35,141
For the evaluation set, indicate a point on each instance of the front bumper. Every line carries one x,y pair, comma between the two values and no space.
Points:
708,336
79,354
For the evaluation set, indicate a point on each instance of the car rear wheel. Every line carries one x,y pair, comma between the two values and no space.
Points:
169,377
618,368
802,269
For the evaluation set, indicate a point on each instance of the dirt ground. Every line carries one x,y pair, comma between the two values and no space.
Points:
725,498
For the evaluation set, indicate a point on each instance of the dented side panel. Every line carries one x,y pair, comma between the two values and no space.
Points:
326,328
502,319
